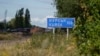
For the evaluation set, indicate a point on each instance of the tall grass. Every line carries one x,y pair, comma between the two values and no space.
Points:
9,36
42,45
57,45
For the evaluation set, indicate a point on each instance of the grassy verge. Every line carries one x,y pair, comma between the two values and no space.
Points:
10,36
6,36
42,45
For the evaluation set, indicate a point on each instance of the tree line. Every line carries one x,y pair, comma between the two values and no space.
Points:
21,20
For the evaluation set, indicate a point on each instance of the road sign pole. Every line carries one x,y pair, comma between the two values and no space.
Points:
53,33
67,33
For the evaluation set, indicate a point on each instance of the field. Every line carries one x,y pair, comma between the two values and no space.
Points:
44,44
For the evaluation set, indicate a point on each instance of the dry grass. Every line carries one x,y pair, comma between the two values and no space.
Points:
10,36
41,45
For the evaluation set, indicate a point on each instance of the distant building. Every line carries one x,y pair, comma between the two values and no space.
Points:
37,30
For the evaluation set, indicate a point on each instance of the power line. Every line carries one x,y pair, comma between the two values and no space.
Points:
5,20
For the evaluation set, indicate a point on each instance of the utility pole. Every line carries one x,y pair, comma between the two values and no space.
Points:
5,16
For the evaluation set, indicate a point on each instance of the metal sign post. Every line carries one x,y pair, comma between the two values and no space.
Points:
53,33
53,30
67,33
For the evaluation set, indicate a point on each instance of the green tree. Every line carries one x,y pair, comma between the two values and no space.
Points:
67,8
11,23
17,20
87,29
21,19
1,25
27,19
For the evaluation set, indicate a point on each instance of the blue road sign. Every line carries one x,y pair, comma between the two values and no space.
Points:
61,22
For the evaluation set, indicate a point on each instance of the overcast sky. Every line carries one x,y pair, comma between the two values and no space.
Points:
40,10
